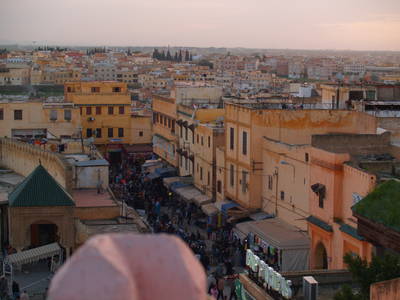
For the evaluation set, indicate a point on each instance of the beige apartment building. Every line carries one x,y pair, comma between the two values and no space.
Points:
266,154
106,115
165,141
208,137
26,118
14,75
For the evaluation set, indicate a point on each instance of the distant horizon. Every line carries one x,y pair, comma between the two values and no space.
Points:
37,45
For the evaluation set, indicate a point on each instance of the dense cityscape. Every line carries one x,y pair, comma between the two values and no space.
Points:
182,172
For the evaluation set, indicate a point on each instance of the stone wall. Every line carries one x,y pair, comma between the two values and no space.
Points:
353,143
21,219
95,213
23,158
385,290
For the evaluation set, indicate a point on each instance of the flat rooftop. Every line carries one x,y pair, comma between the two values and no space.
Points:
110,226
8,181
90,198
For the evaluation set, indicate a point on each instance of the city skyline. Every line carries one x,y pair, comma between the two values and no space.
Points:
359,25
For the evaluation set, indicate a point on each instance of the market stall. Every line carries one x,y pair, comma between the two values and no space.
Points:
280,244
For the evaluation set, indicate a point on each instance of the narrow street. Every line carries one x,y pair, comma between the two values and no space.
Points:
216,248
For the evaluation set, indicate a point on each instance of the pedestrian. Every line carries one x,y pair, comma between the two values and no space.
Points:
220,287
213,291
24,296
3,287
15,290
209,232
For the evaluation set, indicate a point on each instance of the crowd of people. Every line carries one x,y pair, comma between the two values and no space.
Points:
216,248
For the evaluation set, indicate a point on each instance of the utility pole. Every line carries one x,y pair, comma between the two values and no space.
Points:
81,134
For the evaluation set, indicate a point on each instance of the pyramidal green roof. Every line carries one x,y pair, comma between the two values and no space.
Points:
39,189
382,205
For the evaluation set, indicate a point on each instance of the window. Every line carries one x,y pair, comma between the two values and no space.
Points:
121,110
182,161
173,126
18,114
53,115
98,110
88,132
154,117
219,186
169,123
67,115
116,89
110,132
282,195
80,111
95,89
165,121
197,168
306,157
186,164
181,131
208,178
69,90
140,133
120,132
270,182
110,110
232,138
98,132
88,110
244,143
202,140
186,133
201,173
244,181
1,114
231,177
197,139
209,142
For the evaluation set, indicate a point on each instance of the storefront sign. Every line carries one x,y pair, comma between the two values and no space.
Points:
272,279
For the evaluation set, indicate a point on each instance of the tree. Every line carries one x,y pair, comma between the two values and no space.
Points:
169,57
191,57
156,54
380,268
187,56
162,56
180,56
176,57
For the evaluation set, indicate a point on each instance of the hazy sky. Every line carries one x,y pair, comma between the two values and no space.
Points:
305,24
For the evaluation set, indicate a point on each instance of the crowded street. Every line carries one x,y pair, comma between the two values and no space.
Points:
216,247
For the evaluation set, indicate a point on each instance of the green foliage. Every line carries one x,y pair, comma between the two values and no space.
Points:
346,293
382,205
206,63
177,57
381,268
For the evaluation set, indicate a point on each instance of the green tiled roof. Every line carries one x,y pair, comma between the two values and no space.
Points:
382,205
351,231
39,189
314,220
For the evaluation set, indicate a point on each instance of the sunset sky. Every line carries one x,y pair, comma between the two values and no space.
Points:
297,24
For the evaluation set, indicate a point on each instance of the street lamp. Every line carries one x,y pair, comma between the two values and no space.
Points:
284,162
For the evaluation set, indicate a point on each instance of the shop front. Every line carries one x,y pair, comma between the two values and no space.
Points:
281,245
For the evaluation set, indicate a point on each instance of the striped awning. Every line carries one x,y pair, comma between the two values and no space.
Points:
34,255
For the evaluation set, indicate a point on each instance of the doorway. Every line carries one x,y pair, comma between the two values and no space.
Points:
43,234
321,257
